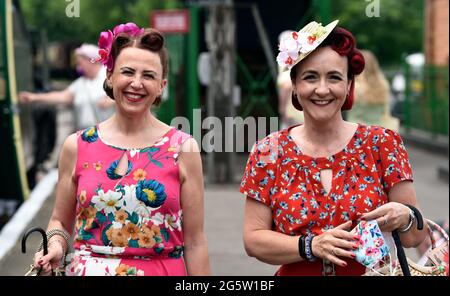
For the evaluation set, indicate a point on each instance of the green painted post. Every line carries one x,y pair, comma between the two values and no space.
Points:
12,171
193,91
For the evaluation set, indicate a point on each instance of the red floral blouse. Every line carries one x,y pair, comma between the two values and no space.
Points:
279,175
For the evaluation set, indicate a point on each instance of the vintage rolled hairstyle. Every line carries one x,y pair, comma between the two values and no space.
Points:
343,42
151,40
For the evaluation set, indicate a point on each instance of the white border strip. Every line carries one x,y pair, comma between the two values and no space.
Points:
11,232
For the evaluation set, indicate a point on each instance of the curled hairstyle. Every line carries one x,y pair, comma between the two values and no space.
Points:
342,42
151,40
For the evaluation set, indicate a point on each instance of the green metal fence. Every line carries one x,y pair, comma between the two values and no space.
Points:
426,99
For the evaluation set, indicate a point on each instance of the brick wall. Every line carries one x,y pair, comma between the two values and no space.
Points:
436,31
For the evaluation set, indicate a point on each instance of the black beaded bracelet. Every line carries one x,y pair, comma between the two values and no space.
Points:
301,246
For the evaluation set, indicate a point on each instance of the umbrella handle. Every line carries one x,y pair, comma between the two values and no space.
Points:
401,254
419,218
44,239
400,251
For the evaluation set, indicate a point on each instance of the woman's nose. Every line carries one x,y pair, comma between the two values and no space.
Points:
136,83
322,89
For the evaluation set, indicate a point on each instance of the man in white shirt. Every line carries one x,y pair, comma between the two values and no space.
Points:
86,93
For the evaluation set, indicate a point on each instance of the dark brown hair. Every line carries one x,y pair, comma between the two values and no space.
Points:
151,40
343,42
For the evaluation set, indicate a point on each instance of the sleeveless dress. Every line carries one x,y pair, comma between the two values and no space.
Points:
131,224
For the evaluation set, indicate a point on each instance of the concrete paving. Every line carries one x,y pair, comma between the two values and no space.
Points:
224,207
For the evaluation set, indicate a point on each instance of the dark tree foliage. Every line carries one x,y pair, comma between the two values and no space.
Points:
398,29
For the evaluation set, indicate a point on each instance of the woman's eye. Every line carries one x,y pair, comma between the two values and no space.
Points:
336,77
309,77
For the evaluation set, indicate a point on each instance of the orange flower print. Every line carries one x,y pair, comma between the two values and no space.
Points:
122,269
121,216
139,175
119,238
88,215
125,270
146,230
156,230
109,233
172,149
82,197
98,166
146,240
132,230
85,165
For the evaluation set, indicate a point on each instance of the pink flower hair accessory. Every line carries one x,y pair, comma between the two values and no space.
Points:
106,40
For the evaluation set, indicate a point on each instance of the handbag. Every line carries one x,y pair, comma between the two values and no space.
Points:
400,265
34,271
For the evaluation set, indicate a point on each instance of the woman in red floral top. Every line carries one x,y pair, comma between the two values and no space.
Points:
308,185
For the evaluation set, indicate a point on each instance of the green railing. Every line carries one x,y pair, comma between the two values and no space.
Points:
426,99
255,89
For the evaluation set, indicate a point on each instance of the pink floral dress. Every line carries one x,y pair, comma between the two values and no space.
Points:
130,224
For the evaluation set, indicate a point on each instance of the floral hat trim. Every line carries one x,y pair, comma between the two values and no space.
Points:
296,46
106,39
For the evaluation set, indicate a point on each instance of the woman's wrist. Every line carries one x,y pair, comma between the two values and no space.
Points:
59,245
411,219
59,241
301,247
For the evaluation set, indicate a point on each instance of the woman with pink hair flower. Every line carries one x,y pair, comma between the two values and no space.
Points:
130,188
308,185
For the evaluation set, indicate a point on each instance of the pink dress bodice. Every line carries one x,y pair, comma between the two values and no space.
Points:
128,224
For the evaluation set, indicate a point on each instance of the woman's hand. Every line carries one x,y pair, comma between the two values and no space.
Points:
335,243
390,216
50,261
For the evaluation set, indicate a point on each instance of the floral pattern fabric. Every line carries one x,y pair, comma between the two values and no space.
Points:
372,247
130,224
280,176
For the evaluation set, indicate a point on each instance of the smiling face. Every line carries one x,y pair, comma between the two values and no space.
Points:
321,84
136,80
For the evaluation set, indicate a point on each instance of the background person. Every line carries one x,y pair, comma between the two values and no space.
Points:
132,186
372,95
308,185
86,94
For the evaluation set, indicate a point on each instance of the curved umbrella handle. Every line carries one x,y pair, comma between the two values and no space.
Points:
400,251
44,239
